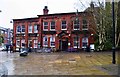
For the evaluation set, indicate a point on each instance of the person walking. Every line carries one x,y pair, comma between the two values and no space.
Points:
7,47
88,48
11,48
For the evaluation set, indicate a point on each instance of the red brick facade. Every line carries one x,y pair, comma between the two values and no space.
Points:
61,30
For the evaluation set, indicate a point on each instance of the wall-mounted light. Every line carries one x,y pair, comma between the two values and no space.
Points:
56,35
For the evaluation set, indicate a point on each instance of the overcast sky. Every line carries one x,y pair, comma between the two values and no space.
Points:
17,9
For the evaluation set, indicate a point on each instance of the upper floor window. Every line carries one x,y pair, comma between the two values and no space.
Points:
52,25
64,25
35,28
18,29
85,26
76,25
45,25
30,29
23,29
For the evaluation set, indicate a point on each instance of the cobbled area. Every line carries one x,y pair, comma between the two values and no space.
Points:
60,63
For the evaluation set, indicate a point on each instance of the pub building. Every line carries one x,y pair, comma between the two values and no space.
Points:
59,30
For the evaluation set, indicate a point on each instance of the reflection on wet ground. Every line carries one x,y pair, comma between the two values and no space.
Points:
57,63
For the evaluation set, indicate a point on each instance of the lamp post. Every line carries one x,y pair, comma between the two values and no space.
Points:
113,20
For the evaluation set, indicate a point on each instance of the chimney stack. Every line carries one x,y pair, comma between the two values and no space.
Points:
45,10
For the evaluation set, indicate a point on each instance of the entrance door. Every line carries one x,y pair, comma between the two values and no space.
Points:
64,45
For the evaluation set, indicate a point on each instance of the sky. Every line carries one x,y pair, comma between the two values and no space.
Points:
18,9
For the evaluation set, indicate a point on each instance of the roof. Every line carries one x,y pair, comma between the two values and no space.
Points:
25,19
62,14
33,18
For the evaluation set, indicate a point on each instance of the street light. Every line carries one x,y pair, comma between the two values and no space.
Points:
113,20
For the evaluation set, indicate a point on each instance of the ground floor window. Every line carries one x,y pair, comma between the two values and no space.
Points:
35,43
76,42
17,43
30,43
23,43
52,41
84,42
45,41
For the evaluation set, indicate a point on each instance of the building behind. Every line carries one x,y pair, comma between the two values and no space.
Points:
6,36
60,30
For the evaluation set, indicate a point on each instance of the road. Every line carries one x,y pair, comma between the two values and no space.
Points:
82,63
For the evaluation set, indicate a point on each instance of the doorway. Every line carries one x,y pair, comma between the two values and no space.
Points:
63,45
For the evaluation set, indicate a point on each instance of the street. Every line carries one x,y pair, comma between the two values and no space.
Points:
60,63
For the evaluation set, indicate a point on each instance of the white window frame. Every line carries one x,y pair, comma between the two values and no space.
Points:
45,43
85,24
17,45
18,28
52,39
45,25
75,46
22,41
35,28
63,25
30,29
76,25
29,42
22,28
84,40
35,43
51,25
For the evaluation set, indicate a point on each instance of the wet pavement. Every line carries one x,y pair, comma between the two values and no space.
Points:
82,63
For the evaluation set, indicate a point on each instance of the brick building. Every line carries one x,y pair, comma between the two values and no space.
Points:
60,30
5,36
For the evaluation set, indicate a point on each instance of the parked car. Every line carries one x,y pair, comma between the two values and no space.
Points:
2,48
3,70
23,52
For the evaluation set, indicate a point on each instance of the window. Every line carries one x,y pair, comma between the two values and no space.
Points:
35,29
17,43
45,41
52,41
45,25
23,29
76,41
30,29
30,43
35,43
52,25
84,42
76,25
85,27
22,43
18,30
64,25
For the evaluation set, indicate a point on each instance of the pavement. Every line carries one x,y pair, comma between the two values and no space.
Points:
61,63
